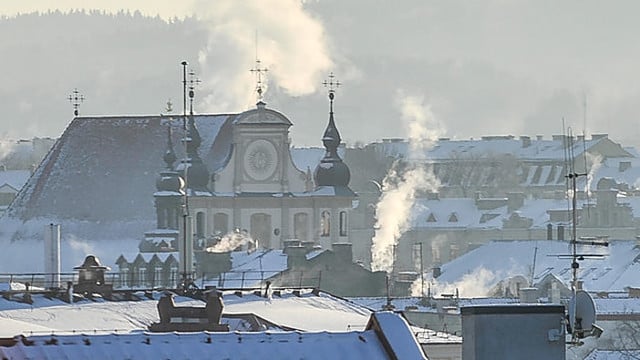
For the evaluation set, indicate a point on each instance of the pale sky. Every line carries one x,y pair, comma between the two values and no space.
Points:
480,67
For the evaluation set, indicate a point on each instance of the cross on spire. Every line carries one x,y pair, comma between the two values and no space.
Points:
332,85
75,98
193,82
258,71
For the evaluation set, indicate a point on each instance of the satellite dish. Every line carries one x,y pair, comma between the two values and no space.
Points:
582,315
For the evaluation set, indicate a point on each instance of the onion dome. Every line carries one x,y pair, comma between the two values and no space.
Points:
170,180
331,171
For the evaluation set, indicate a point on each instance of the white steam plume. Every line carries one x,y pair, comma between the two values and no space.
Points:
232,241
399,188
289,42
594,162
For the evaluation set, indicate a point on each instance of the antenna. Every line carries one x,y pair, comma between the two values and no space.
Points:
186,276
581,315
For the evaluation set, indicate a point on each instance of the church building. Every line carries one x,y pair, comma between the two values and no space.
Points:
254,192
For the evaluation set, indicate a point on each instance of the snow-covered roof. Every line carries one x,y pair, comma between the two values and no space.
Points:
493,146
248,269
473,275
303,310
231,345
464,213
111,164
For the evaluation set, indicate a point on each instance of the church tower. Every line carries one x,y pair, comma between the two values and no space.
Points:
332,177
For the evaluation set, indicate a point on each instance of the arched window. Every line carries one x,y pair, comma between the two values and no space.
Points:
200,224
343,223
325,223
261,230
220,224
301,226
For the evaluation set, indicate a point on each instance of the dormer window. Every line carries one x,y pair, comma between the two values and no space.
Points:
453,217
431,218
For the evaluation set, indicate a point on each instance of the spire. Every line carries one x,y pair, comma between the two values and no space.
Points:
169,156
192,168
169,180
331,171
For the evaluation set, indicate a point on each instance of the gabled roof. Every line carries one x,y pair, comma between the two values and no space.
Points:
104,168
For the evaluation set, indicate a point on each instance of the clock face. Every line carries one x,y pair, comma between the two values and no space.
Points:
260,160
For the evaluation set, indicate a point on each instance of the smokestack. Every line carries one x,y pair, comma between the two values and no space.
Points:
52,255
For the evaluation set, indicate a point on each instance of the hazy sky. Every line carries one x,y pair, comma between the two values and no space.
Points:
489,67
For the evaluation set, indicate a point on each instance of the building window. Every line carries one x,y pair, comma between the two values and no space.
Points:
157,277
200,225
173,276
124,277
220,224
343,223
142,276
301,226
325,224
261,230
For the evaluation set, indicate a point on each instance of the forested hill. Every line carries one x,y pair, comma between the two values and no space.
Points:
122,63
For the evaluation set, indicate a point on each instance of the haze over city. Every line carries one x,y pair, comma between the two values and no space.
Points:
482,68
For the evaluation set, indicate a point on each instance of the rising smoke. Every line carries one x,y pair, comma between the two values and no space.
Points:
288,41
400,186
233,241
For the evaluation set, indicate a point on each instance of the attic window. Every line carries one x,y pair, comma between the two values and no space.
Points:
453,217
487,217
431,218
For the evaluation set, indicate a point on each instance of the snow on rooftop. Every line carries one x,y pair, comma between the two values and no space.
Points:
471,273
231,345
306,311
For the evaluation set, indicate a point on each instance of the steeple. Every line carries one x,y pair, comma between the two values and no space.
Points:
169,180
331,171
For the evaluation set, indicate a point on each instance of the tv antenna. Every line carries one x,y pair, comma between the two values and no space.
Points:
581,316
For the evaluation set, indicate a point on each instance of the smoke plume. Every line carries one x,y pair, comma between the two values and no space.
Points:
233,241
287,40
400,186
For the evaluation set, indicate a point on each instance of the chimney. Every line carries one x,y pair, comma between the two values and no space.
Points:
526,141
52,255
528,295
343,252
515,200
295,256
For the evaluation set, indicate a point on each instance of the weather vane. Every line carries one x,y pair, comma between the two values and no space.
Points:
332,85
259,71
75,98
